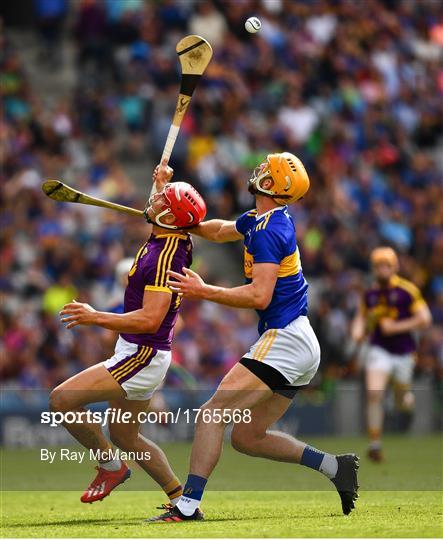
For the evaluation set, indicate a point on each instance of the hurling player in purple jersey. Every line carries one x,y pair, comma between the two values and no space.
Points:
143,350
390,311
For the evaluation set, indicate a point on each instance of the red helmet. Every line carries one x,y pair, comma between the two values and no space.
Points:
185,203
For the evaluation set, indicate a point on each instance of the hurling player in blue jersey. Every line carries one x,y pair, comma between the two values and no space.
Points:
285,357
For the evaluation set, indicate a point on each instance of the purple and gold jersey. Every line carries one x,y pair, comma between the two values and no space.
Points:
159,254
399,300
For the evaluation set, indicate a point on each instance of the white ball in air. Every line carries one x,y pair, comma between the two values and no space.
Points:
253,25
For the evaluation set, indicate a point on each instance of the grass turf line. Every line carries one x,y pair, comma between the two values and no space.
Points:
409,509
229,514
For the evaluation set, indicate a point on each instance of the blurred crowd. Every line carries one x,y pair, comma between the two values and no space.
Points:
352,88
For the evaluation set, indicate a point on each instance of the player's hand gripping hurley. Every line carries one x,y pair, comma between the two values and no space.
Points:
194,54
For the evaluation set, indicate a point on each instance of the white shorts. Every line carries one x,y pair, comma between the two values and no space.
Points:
139,369
294,351
399,366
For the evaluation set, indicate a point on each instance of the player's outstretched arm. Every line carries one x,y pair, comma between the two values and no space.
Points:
217,230
421,319
255,295
146,320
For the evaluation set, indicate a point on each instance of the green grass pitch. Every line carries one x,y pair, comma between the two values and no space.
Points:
400,498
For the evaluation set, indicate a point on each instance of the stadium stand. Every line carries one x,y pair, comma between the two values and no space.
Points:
353,88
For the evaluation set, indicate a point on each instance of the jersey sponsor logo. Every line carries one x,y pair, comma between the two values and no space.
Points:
378,312
248,263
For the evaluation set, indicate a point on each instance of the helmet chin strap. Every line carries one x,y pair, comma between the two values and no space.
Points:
254,185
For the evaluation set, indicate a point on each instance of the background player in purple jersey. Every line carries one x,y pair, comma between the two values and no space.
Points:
390,311
143,350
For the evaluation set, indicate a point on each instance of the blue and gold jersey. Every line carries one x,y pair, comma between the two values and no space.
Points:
270,238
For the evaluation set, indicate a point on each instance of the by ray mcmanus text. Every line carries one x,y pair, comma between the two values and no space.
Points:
79,456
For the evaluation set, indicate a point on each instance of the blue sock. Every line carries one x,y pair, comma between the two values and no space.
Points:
192,494
320,461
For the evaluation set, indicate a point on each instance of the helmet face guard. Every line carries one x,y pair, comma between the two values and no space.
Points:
259,174
183,202
166,209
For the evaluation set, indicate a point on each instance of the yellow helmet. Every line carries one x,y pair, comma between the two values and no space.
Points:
291,181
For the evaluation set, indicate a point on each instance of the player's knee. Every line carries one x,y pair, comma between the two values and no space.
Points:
240,443
215,404
404,398
206,413
58,400
244,440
